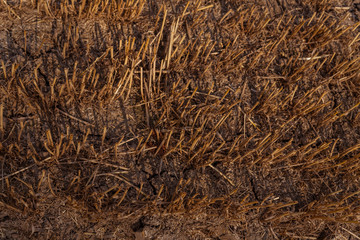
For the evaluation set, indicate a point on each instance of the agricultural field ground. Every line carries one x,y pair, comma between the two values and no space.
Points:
201,119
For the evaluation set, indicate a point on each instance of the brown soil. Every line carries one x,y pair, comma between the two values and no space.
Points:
180,119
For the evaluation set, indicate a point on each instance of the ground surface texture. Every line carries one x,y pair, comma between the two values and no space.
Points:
178,119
